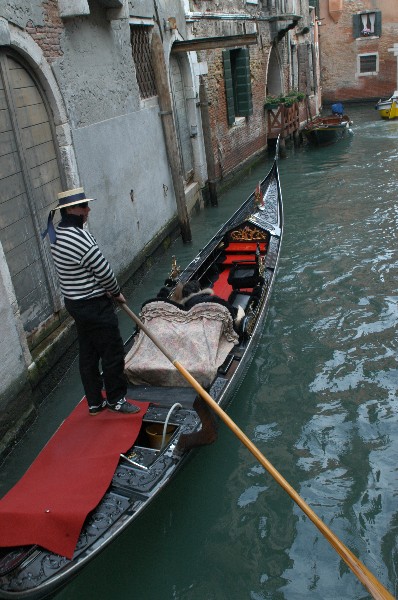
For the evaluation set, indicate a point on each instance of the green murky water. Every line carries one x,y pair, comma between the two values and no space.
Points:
319,400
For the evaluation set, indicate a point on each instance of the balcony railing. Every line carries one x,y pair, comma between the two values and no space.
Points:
283,120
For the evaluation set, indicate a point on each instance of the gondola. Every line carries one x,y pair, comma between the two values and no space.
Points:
322,131
239,265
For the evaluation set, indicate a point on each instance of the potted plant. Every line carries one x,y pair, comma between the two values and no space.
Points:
293,96
287,99
272,102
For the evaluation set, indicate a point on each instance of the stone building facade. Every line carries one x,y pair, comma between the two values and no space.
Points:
359,49
284,57
80,105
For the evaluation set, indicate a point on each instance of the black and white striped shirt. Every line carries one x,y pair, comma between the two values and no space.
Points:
82,269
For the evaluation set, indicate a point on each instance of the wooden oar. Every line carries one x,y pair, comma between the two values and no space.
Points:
373,585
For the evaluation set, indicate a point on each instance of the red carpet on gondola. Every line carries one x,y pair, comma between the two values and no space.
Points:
67,480
221,287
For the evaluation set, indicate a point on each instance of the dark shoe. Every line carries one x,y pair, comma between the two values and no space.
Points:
122,406
95,410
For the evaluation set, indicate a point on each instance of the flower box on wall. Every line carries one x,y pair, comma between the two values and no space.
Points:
272,102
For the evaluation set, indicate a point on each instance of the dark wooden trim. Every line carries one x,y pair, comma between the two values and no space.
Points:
228,41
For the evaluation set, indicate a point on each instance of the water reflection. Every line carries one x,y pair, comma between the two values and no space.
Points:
347,444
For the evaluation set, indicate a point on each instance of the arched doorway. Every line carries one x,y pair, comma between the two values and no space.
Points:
29,182
274,75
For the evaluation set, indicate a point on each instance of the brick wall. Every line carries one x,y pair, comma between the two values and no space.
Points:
232,145
48,36
339,52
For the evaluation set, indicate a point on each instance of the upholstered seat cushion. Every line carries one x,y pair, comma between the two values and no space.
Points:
244,275
199,339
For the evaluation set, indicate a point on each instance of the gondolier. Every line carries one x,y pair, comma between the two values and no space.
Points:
89,287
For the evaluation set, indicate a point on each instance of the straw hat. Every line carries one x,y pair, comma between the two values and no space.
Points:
68,198
72,197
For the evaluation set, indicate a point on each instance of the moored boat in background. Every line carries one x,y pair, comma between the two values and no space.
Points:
238,265
388,109
322,131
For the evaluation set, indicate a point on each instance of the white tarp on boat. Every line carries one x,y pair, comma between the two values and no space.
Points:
199,339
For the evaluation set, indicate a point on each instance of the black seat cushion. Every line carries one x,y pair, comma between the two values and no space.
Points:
244,275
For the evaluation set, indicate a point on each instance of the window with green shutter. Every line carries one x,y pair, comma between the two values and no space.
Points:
366,24
237,83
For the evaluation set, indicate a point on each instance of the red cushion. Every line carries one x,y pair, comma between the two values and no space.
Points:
245,247
221,287
231,258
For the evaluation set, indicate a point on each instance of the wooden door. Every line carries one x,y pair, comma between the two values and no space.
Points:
29,183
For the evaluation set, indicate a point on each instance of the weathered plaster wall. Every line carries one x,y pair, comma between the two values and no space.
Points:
141,8
14,357
110,141
118,138
21,13
13,350
96,71
133,199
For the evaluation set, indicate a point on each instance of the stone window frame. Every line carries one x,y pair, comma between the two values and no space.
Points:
360,73
372,28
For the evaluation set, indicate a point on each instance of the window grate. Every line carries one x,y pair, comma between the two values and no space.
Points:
139,35
368,63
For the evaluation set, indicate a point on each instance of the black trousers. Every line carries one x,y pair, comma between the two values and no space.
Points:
99,340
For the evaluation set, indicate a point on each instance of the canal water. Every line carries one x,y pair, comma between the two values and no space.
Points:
319,400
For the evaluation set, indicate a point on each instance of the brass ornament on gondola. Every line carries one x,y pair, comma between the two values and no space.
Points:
249,234
175,270
260,261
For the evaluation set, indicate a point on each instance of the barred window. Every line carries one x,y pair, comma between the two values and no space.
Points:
139,35
368,63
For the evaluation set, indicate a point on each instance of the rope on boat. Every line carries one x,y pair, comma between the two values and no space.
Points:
134,463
